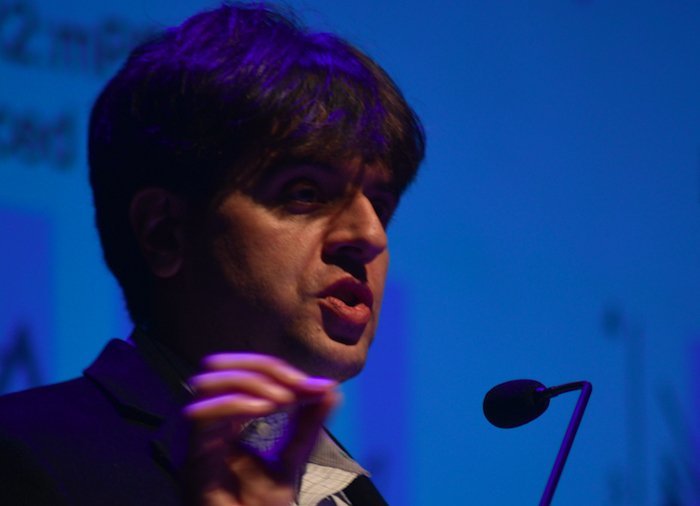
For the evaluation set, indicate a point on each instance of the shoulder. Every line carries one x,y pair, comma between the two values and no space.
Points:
43,407
54,421
62,440
28,421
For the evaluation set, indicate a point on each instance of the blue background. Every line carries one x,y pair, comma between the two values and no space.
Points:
553,233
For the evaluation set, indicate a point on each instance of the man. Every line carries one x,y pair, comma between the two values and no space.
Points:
244,172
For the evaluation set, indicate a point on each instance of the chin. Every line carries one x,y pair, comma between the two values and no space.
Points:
348,358
349,370
341,362
330,353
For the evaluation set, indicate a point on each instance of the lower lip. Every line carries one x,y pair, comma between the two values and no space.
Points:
354,315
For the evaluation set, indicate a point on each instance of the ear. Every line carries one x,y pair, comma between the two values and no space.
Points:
158,221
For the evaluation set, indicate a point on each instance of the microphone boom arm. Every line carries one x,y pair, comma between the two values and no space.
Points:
586,389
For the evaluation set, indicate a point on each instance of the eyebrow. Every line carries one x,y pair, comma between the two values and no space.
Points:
327,168
300,164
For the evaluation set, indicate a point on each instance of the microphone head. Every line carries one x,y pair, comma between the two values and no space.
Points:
515,403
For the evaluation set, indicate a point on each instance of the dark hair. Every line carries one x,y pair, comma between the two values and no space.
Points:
223,96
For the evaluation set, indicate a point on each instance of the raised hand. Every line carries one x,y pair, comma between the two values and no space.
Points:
229,463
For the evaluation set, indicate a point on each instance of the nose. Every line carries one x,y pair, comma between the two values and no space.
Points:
356,232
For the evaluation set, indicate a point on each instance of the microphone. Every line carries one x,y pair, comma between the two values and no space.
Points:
517,402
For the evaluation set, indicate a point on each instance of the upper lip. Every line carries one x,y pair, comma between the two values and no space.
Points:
350,291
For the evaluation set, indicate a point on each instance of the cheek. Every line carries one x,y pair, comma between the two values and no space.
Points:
236,255
379,270
382,264
278,262
286,251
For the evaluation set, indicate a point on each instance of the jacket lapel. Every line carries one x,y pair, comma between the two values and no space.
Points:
140,393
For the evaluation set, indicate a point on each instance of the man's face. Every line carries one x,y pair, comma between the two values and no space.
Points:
295,265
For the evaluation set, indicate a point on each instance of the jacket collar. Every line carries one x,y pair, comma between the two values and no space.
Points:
132,383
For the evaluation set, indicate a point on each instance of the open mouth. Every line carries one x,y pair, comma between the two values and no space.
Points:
347,303
349,298
350,292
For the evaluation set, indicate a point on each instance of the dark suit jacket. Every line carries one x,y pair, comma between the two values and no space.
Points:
112,437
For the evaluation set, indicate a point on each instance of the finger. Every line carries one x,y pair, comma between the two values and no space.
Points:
238,406
309,423
273,367
213,384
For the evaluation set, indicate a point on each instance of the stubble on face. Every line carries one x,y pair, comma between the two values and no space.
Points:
270,255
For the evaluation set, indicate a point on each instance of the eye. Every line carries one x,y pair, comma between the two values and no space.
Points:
302,193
